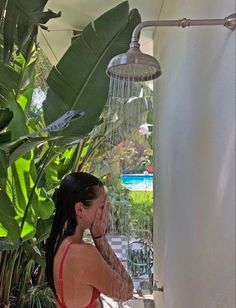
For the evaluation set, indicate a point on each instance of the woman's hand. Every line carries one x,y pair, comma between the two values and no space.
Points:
99,225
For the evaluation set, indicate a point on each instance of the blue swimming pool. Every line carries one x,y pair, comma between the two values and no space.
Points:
138,182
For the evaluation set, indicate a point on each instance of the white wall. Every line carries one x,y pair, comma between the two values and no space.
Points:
194,141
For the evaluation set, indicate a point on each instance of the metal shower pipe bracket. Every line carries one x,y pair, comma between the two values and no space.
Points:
229,22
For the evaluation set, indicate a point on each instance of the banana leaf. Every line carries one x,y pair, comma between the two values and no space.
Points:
21,180
20,25
3,164
6,116
6,245
30,202
45,206
19,148
79,80
22,203
9,29
26,88
59,166
43,229
8,224
33,253
9,79
2,6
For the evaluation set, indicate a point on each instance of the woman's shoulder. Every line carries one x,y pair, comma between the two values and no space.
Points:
81,257
82,249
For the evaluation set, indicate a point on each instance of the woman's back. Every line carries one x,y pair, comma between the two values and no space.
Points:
69,287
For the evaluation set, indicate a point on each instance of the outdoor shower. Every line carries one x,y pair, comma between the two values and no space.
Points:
136,66
130,73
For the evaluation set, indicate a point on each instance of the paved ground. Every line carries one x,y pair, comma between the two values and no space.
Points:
138,301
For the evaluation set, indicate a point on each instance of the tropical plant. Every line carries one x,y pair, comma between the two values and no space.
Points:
120,215
142,210
21,19
39,297
117,38
43,68
18,178
36,152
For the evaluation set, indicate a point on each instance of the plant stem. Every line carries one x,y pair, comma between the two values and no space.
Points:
90,153
79,150
12,255
2,270
26,273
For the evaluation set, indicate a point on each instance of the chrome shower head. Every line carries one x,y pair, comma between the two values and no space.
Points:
133,65
137,66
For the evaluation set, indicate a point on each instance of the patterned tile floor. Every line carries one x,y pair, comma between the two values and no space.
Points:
141,297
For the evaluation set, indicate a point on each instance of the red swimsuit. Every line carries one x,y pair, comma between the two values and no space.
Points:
61,302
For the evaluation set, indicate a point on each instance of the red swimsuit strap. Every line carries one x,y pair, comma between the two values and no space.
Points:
60,283
94,298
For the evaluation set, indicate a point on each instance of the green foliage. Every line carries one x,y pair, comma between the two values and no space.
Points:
39,297
120,215
21,22
7,84
3,164
142,210
6,116
22,202
43,68
131,210
32,158
134,156
79,80
8,213
24,186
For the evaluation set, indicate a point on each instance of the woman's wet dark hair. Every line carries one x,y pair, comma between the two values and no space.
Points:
75,187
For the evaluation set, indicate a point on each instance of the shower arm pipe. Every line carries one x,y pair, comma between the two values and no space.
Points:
229,22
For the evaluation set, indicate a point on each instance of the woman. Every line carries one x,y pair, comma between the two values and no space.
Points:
76,271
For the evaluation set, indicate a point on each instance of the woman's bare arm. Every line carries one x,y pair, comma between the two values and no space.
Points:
110,257
93,270
98,232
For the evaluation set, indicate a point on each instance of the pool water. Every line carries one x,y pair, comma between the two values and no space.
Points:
138,182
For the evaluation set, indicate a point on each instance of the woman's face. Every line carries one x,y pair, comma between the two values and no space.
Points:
89,213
